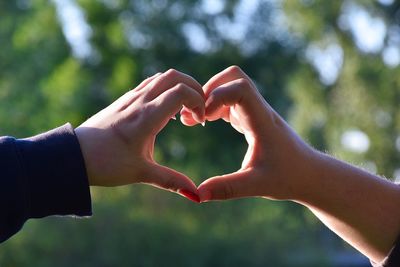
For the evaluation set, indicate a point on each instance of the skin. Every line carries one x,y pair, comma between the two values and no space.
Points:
118,142
360,207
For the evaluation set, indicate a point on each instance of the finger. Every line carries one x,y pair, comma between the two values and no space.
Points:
229,186
147,81
188,120
187,117
171,180
130,96
171,101
222,112
168,80
225,76
229,74
244,97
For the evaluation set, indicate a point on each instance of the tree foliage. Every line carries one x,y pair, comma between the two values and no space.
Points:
44,83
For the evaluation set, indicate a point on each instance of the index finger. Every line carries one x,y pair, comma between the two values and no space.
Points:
171,101
228,75
168,80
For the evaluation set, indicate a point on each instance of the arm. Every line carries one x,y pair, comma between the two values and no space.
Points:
41,176
360,207
49,174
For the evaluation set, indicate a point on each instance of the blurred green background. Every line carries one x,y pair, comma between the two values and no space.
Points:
331,68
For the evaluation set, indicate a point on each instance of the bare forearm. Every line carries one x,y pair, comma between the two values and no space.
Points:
360,207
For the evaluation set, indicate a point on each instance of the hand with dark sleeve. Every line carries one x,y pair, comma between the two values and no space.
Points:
50,174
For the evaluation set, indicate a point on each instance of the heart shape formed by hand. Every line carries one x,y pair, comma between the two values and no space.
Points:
118,142
231,96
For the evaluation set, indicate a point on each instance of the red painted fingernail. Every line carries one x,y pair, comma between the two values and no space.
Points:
189,195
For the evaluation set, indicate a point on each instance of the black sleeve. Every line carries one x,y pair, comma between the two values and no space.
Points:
41,176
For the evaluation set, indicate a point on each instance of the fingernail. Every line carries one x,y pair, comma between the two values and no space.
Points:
189,195
173,117
203,124
205,195
196,115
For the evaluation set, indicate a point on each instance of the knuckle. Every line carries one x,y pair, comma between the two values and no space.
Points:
181,90
172,73
242,82
181,87
215,96
228,191
235,69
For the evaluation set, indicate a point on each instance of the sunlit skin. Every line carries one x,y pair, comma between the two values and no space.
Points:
118,142
360,207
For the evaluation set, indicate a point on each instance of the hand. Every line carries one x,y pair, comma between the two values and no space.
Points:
118,142
279,165
276,159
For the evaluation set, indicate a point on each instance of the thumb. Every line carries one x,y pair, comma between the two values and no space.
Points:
171,180
235,185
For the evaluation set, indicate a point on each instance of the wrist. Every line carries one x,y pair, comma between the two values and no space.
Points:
82,139
321,179
307,178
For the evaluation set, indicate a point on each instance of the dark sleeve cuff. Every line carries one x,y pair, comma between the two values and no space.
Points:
55,172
